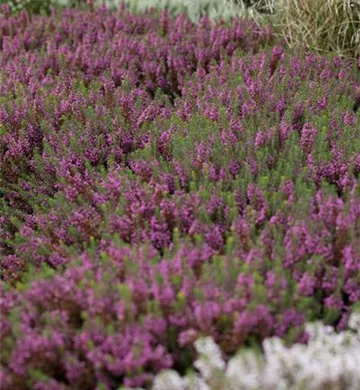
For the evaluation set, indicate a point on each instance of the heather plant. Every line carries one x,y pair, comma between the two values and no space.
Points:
117,315
163,181
80,78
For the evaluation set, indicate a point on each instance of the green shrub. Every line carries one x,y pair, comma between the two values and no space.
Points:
39,6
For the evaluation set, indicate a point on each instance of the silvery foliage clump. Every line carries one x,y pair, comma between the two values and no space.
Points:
195,9
329,361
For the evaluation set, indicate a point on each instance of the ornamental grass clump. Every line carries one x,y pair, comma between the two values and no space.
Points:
163,181
322,25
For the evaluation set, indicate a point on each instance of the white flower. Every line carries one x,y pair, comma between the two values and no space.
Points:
330,360
210,360
168,380
194,382
244,371
354,322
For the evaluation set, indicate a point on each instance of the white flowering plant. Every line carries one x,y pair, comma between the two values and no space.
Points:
330,361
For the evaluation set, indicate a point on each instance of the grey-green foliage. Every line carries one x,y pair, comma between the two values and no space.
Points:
195,9
35,6
38,6
215,9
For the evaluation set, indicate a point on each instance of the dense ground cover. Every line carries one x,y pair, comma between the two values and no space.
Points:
163,181
329,360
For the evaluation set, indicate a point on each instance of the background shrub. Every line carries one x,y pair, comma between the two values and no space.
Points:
323,25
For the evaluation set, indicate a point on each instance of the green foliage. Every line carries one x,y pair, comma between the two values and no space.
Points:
40,6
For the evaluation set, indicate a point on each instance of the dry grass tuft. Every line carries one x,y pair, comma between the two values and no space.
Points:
328,26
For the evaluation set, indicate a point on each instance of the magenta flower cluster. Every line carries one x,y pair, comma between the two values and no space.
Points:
163,181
